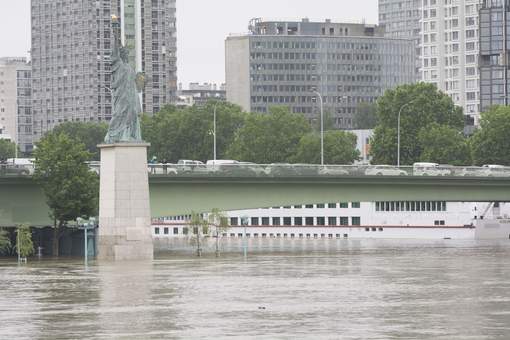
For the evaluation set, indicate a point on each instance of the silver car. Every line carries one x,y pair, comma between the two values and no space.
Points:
384,170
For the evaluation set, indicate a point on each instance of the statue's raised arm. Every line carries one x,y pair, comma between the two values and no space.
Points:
125,123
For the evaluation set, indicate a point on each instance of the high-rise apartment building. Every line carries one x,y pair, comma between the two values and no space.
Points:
16,102
71,48
449,41
494,52
448,44
401,19
282,63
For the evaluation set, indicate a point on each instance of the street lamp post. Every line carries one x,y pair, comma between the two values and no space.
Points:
322,125
244,222
86,225
398,132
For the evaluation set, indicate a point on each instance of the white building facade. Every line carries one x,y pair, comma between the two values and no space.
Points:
15,102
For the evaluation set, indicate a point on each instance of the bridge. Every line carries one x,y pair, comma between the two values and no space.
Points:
178,190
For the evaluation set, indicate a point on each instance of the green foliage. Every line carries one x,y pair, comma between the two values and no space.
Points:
444,145
24,244
366,117
71,189
5,242
339,148
90,134
198,223
187,133
491,143
7,149
421,105
269,138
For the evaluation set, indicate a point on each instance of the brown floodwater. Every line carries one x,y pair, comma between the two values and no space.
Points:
331,290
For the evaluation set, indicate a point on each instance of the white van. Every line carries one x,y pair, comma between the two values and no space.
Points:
430,169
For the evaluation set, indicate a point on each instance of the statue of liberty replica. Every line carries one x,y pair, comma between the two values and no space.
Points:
125,122
124,231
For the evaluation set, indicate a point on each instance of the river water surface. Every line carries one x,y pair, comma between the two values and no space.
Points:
348,290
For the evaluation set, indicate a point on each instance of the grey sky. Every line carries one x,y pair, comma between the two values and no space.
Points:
203,26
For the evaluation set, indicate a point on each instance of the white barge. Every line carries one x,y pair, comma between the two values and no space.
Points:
353,220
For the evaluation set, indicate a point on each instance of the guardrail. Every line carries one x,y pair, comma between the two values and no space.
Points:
289,170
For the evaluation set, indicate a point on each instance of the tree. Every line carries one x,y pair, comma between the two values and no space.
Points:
7,149
24,244
445,145
269,138
219,221
199,226
91,134
5,242
339,148
490,143
420,105
71,189
366,117
187,133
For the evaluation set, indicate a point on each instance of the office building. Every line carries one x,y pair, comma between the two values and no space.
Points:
401,19
15,102
71,48
494,49
282,63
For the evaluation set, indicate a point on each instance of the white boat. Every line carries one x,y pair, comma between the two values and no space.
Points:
376,220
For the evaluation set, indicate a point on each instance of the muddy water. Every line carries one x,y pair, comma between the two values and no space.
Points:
353,290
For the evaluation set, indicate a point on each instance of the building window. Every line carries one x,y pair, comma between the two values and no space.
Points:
355,204
254,221
156,231
356,220
344,205
344,220
331,205
287,221
321,221
309,220
234,221
176,231
298,221
331,220
276,221
165,231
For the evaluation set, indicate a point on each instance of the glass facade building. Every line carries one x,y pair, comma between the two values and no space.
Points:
494,49
282,63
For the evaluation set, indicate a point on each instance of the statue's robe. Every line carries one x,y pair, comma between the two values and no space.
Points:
125,123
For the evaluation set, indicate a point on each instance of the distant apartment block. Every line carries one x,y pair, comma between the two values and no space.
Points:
71,48
494,51
199,94
282,63
401,19
450,48
15,102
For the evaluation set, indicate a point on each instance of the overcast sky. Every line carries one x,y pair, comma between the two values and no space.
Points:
203,26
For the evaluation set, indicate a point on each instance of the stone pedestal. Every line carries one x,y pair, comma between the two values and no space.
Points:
124,205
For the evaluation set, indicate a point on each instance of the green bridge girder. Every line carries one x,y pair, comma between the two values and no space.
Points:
22,201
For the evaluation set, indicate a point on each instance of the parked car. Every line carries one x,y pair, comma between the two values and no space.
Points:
13,169
333,171
187,165
384,170
430,169
495,170
474,171
281,169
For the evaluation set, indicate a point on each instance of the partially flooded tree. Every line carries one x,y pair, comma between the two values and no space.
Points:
199,227
24,244
219,222
5,242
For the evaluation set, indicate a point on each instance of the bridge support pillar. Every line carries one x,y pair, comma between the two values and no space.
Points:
124,204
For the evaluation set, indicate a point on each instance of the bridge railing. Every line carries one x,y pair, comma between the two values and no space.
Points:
308,170
249,170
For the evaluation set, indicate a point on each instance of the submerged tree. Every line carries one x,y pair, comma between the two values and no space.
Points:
24,244
199,227
219,221
5,242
